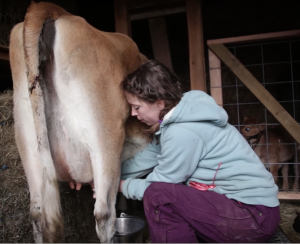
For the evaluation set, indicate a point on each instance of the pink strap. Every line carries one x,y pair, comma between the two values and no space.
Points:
203,187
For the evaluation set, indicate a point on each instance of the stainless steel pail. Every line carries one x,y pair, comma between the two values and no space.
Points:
129,229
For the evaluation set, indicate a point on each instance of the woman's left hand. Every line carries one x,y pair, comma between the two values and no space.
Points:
120,185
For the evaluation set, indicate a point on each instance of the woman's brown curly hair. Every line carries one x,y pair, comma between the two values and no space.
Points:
153,81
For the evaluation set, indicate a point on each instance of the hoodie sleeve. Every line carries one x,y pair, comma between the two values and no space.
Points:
181,152
142,163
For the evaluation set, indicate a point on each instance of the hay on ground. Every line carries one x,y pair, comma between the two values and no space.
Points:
15,224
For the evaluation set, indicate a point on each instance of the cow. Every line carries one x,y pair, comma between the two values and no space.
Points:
274,146
70,113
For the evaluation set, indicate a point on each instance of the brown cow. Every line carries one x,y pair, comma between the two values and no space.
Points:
70,112
274,146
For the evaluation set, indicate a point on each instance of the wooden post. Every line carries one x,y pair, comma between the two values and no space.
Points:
288,195
122,18
258,90
160,43
196,45
215,78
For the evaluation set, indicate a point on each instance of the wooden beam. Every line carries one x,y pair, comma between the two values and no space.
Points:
196,45
160,43
288,195
4,53
136,5
122,18
256,37
258,90
215,78
157,13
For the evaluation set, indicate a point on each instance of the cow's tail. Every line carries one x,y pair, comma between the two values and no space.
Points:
35,18
51,214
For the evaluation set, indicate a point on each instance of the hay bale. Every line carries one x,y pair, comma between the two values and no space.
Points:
15,223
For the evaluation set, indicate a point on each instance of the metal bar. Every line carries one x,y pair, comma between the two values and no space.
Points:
267,83
158,13
252,103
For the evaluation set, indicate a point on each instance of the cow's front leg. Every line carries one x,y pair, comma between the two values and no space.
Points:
296,170
106,168
285,173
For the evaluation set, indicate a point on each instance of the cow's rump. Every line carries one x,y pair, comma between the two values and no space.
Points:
66,77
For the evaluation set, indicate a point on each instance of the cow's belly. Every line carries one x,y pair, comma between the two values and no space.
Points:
70,155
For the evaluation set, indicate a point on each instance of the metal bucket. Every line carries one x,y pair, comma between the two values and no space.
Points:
129,229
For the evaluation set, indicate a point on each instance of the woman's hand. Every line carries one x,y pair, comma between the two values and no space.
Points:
120,185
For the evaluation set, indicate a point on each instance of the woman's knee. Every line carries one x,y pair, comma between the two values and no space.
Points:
152,190
158,193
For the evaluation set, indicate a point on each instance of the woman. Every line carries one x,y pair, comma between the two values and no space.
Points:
204,181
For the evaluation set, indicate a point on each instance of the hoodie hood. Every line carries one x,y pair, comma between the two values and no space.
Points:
197,106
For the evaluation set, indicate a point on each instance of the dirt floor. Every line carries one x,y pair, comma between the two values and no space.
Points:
288,214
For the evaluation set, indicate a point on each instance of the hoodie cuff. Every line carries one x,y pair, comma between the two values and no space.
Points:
125,187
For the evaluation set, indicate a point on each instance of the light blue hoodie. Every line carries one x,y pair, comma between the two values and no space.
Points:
194,140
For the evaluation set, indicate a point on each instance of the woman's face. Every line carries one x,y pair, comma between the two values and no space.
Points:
145,112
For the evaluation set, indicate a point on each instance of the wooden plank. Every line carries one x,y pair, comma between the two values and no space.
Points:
134,5
4,53
157,13
288,195
122,18
4,47
256,37
196,45
160,43
215,78
258,90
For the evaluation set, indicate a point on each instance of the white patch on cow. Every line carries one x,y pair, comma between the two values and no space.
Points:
77,123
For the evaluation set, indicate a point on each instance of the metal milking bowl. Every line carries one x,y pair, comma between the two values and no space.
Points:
129,229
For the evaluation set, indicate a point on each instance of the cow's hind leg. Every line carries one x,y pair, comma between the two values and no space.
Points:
25,133
106,180
51,216
30,136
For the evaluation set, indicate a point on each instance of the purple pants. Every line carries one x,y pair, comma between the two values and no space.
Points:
182,214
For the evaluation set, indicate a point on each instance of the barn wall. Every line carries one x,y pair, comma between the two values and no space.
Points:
220,19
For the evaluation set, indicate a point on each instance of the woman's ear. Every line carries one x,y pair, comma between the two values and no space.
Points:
160,103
